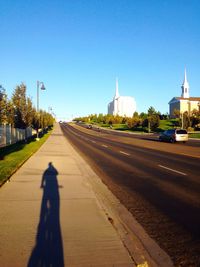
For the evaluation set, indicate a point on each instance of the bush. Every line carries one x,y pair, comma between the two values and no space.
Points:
133,122
190,129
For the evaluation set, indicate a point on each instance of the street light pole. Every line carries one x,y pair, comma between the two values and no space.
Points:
40,85
189,111
198,104
182,120
42,88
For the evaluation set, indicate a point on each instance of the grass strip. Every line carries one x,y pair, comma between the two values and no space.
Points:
13,156
194,135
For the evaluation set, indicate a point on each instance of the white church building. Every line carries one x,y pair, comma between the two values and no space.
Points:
185,102
122,105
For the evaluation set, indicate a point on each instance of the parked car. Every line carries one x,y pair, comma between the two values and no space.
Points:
89,126
174,135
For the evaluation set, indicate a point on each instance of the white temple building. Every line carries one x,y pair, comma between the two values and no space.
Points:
122,105
185,102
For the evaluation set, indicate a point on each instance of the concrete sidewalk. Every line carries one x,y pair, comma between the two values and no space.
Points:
56,212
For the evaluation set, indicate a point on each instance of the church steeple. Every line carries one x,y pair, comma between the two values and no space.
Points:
116,90
185,87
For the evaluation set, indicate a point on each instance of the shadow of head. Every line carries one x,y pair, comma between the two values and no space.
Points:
49,178
51,170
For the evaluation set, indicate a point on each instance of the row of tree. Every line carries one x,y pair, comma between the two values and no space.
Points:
20,112
187,120
149,121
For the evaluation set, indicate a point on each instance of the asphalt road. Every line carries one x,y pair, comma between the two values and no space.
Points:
158,182
151,137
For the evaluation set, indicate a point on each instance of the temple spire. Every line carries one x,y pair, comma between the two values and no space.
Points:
185,87
116,90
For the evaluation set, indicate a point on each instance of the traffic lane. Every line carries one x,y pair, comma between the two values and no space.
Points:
155,138
119,133
191,148
152,137
166,191
146,136
171,164
193,142
175,162
181,164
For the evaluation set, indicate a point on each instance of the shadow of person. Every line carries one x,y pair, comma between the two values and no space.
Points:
48,250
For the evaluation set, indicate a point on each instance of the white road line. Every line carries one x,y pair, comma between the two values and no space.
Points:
122,152
104,145
182,173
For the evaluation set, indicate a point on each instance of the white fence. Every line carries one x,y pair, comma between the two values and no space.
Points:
9,135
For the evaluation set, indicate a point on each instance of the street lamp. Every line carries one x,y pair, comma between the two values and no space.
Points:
40,85
189,111
181,114
189,107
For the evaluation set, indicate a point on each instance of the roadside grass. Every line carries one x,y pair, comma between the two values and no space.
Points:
13,156
168,124
194,135
123,127
120,127
163,126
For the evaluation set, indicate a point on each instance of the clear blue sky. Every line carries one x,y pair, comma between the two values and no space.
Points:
78,48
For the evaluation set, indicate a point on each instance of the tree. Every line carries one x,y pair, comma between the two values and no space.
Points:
153,119
186,120
117,119
20,107
10,113
164,116
133,122
45,119
100,118
36,120
135,114
195,119
92,117
151,111
176,113
143,115
30,113
20,112
109,119
124,120
3,105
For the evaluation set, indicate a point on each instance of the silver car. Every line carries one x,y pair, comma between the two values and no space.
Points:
174,135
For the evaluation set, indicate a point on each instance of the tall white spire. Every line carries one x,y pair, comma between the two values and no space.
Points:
116,90
185,87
